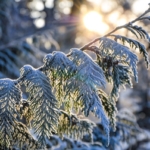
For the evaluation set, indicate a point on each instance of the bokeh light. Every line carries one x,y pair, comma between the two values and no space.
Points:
39,23
139,6
93,22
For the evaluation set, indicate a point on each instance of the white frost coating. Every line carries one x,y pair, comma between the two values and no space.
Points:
119,52
88,71
10,95
90,102
60,62
134,44
121,77
42,102
8,90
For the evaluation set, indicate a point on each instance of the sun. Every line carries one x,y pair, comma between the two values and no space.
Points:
93,22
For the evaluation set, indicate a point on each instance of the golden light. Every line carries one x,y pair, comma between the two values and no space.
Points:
93,22
140,4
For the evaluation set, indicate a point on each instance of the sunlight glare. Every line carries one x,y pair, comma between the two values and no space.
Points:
93,22
139,6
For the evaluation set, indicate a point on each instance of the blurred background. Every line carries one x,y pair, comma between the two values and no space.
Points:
29,29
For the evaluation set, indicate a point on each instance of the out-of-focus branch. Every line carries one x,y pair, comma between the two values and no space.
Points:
39,31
